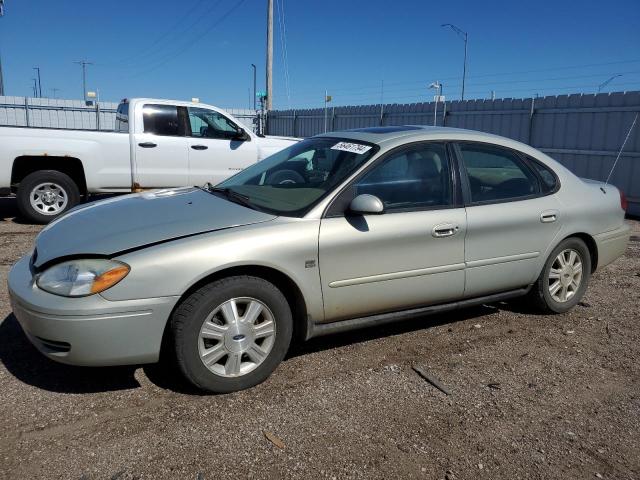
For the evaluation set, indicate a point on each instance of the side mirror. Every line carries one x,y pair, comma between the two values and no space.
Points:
366,203
241,135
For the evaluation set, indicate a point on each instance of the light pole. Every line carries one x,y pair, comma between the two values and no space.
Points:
254,85
438,87
84,64
462,34
607,82
37,69
1,79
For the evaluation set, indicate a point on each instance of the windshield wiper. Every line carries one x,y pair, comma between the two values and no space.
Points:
229,194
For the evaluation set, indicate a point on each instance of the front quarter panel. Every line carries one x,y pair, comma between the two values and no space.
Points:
287,245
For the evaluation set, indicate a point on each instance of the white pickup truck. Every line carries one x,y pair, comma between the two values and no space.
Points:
156,144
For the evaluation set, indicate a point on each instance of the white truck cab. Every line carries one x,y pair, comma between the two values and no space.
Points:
156,143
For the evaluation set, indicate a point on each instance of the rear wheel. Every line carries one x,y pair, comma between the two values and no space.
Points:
564,277
231,334
46,194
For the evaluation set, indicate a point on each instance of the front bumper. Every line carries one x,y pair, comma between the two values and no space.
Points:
612,245
89,331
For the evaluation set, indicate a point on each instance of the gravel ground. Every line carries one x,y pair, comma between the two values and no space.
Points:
531,396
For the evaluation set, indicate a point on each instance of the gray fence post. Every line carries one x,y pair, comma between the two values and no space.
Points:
26,110
532,112
97,115
295,119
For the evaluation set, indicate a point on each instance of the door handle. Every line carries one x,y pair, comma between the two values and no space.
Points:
549,216
147,145
444,230
199,147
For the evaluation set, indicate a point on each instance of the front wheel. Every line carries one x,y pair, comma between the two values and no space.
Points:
564,277
232,333
46,194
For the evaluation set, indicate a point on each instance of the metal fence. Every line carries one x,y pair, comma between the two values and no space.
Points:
75,114
583,132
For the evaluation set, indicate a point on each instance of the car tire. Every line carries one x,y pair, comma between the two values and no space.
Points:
283,177
220,348
555,290
46,194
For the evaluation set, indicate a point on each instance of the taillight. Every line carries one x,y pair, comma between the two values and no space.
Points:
623,201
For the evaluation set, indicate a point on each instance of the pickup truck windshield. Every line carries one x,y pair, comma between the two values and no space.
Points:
292,181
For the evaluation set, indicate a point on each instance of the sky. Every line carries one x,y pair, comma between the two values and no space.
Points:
359,51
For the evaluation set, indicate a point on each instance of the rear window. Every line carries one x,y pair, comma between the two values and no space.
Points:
161,120
548,177
122,118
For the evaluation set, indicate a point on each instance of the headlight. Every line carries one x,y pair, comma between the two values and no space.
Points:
79,278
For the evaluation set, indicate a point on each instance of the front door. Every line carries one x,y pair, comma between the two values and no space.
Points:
215,153
411,255
161,158
513,219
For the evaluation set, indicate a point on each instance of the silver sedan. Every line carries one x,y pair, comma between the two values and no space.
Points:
340,231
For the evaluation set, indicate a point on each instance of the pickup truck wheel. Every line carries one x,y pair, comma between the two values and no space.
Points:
46,194
283,177
231,334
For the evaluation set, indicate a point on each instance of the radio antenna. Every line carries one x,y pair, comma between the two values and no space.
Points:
621,149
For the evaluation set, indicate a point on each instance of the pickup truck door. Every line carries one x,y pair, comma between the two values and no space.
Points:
160,147
214,150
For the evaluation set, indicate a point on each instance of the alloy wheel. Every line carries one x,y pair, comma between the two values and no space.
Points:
236,337
48,198
565,275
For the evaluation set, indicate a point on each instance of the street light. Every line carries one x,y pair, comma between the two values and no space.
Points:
254,85
464,37
607,82
438,87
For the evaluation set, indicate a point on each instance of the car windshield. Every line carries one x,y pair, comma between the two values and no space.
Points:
293,180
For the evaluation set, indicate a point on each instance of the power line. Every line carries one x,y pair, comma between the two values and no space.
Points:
195,39
497,74
506,82
283,42
168,34
157,47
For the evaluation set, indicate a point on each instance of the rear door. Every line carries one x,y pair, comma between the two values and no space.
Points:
411,255
160,146
512,218
215,152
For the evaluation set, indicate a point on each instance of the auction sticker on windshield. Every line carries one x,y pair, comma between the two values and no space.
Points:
351,147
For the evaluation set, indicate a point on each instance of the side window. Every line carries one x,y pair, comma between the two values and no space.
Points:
210,124
496,173
122,118
161,120
548,177
414,178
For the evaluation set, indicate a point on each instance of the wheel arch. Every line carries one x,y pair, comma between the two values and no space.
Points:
591,246
282,281
28,164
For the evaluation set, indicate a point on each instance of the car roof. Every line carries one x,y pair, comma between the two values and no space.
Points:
413,133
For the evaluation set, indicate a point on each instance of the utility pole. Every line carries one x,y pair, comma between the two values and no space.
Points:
35,87
55,92
39,82
1,80
254,85
269,54
84,64
465,37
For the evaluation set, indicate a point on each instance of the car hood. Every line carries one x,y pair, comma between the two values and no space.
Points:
134,221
